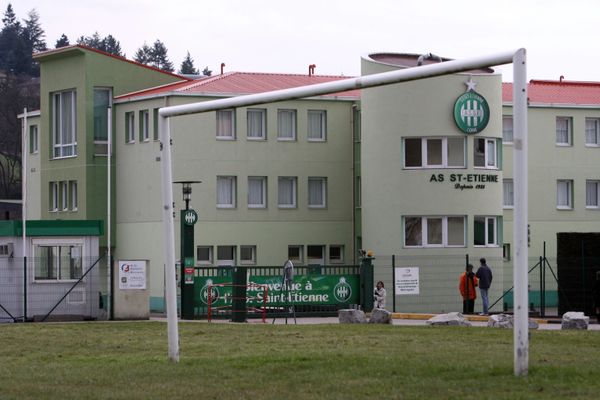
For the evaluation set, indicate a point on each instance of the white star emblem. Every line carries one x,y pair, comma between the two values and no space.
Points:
470,84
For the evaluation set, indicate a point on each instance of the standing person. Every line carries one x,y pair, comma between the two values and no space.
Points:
379,295
467,285
484,274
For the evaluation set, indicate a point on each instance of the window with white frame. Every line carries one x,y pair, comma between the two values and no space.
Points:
286,191
247,254
64,124
257,192
73,190
507,129
64,195
256,123
226,124
592,194
315,254
33,139
53,197
508,193
434,231
563,131
130,127
226,255
485,231
439,152
317,125
296,254
226,191
58,261
485,153
317,192
564,194
286,124
144,126
336,253
204,255
592,132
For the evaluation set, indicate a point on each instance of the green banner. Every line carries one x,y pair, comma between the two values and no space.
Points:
304,290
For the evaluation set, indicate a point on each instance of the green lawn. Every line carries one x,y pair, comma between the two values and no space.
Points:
128,360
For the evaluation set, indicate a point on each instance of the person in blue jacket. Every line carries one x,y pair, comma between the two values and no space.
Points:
484,274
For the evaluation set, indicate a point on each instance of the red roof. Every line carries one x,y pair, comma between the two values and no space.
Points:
241,83
557,92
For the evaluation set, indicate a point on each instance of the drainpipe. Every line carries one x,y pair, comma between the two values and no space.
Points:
222,68
24,210
109,299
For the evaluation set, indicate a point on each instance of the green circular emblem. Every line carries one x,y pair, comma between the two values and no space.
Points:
471,112
190,217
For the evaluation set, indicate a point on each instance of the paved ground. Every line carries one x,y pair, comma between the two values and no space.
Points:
407,320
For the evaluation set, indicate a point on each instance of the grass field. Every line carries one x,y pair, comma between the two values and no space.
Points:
128,360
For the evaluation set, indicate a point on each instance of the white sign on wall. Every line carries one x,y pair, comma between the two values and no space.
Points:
132,274
407,280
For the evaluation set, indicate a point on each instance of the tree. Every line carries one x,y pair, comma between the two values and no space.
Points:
15,56
62,41
187,66
206,71
33,32
107,44
155,56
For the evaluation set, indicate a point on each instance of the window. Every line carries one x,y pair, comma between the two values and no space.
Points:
506,251
336,254
315,255
226,124
592,132
508,194
102,102
434,231
286,124
247,254
33,139
130,127
73,188
64,124
225,255
563,131
6,250
204,255
434,152
317,192
58,261
357,193
53,201
286,192
507,128
226,191
592,194
257,192
485,153
317,125
296,254
564,194
485,231
64,196
155,118
144,126
257,123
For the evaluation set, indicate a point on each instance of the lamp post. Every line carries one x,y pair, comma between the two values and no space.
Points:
188,220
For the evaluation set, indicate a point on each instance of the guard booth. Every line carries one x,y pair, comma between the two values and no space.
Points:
578,265
57,275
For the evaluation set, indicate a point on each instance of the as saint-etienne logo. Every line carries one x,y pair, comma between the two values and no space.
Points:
471,110
214,296
342,291
190,217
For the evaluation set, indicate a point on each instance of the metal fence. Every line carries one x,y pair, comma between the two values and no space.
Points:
300,308
53,289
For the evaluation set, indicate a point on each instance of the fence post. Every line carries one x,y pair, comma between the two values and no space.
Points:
394,283
366,283
239,280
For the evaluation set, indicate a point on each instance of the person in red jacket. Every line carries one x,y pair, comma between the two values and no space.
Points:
467,284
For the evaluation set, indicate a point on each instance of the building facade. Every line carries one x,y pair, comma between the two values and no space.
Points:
392,169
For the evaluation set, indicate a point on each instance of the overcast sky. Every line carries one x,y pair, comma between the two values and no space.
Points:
286,36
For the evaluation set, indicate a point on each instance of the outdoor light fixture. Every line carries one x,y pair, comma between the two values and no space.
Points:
187,191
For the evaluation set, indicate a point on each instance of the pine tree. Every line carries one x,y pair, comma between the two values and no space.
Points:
34,32
62,41
206,71
187,66
143,55
15,54
160,58
93,41
112,46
